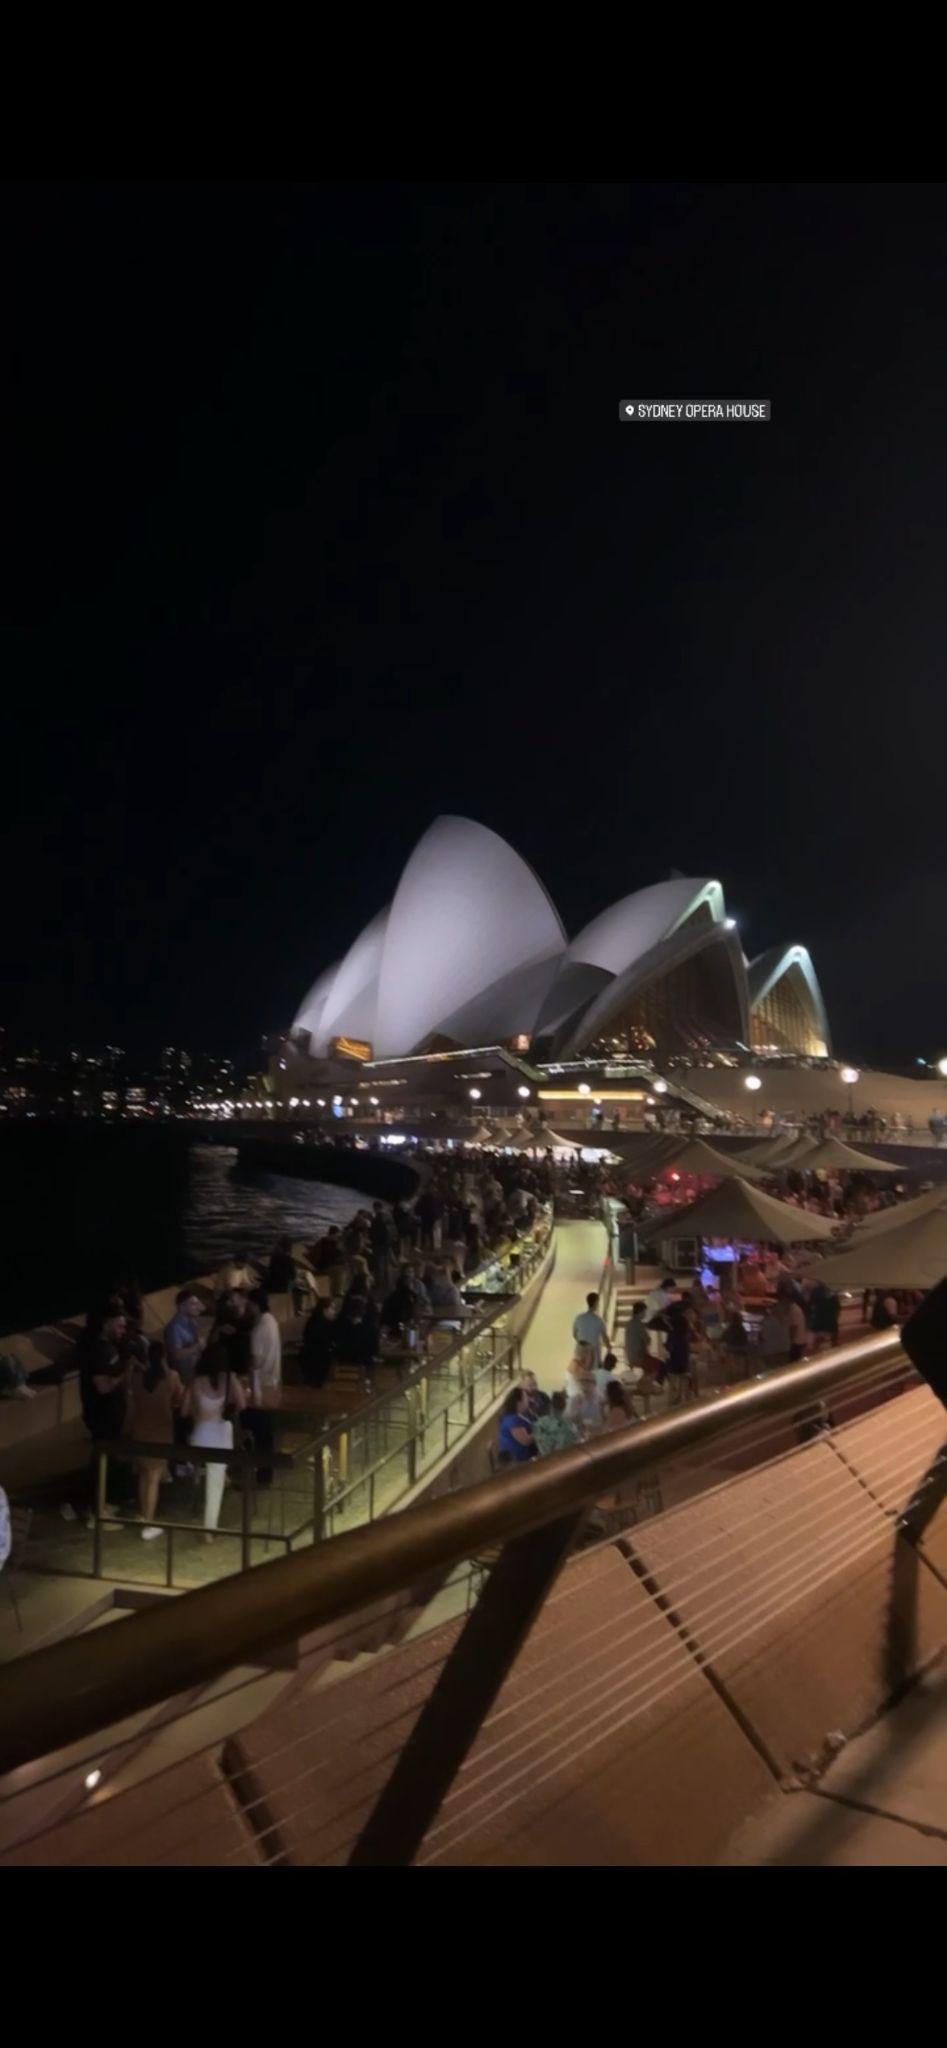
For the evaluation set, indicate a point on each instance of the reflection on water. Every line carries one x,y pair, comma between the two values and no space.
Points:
82,1206
228,1210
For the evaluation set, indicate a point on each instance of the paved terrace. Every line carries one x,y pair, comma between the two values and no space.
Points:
59,1589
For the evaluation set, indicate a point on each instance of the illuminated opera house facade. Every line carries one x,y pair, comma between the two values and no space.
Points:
470,956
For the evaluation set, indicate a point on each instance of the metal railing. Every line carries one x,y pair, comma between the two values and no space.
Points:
529,1515
345,1473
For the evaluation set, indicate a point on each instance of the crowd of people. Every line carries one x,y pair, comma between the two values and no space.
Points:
371,1289
679,1339
216,1369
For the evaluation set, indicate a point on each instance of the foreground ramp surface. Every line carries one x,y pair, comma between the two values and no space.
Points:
752,1677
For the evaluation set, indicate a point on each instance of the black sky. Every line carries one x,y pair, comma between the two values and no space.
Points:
321,521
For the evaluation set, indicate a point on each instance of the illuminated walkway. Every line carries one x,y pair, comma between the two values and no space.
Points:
580,1255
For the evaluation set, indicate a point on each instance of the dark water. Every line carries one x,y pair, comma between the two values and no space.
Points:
78,1207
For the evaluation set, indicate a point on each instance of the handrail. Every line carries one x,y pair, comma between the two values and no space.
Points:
82,1686
508,1353
499,1305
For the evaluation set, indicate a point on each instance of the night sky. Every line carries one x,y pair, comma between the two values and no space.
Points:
321,521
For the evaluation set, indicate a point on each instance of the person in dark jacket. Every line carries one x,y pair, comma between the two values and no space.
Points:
357,1328
319,1344
381,1235
281,1271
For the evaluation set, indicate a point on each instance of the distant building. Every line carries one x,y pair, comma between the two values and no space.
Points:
471,954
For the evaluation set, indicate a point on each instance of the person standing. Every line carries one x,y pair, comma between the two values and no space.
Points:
182,1336
588,1328
281,1271
637,1348
584,1410
266,1384
319,1344
382,1242
154,1394
103,1389
675,1325
211,1401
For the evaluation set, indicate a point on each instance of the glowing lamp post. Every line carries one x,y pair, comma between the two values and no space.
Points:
942,1069
752,1082
849,1077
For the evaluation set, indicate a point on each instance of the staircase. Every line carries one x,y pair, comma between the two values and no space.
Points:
625,1296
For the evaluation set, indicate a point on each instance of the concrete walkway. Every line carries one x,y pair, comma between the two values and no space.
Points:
580,1255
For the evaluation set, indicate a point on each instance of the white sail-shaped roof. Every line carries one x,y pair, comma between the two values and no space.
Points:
351,1004
768,969
630,928
467,915
309,1015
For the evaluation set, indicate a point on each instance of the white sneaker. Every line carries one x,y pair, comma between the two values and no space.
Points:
25,1393
148,1535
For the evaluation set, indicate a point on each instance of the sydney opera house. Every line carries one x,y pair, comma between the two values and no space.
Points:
471,955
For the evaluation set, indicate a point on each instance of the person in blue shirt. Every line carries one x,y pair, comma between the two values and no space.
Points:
182,1336
515,1440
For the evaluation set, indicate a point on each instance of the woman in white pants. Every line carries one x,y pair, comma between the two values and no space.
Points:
213,1389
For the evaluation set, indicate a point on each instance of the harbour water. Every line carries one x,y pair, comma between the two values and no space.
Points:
80,1207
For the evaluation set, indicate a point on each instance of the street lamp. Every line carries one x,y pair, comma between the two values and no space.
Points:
752,1082
850,1075
584,1088
523,1094
474,1094
942,1068
660,1087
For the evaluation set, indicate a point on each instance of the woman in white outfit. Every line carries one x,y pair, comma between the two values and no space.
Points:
213,1390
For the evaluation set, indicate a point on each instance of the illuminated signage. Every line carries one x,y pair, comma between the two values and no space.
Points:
573,1095
349,1049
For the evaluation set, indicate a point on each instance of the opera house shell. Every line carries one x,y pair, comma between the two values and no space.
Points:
471,952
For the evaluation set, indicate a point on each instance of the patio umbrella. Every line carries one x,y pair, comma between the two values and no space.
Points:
694,1155
797,1153
902,1212
833,1152
736,1209
540,1138
914,1255
766,1150
658,1147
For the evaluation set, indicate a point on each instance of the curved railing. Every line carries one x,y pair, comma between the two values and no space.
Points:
80,1687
